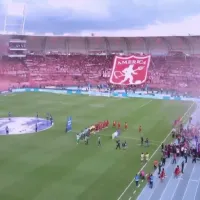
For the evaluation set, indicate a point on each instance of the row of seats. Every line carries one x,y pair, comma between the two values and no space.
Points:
181,73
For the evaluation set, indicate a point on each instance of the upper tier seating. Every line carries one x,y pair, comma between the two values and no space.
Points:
166,72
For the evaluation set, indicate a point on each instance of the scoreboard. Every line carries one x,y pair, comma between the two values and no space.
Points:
17,48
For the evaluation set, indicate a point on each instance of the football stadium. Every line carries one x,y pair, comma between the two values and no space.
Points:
95,117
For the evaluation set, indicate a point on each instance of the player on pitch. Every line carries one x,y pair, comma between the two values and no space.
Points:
107,123
114,123
125,126
9,116
142,157
7,130
118,125
140,129
146,157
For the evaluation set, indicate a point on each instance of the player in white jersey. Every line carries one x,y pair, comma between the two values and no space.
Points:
77,138
142,157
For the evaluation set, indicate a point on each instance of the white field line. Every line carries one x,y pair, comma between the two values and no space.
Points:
11,95
141,106
8,95
133,138
153,154
145,104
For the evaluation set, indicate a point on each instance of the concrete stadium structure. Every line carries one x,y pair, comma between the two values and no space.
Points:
69,61
70,44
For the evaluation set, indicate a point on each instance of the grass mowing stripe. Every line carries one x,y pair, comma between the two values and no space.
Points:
154,153
79,171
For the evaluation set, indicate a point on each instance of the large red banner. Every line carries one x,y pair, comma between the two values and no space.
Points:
130,70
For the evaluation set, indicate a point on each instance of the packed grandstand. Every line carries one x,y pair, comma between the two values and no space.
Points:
38,61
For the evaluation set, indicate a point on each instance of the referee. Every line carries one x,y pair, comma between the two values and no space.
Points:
118,144
99,141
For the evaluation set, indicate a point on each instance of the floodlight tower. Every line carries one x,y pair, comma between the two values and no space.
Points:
15,17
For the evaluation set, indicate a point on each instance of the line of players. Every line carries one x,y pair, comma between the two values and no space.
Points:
124,144
9,117
118,125
84,135
101,125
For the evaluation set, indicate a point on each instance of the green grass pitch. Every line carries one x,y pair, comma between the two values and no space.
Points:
50,165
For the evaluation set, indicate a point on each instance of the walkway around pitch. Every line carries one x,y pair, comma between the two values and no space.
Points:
152,156
187,186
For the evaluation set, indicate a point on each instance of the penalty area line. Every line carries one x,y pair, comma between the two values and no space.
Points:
122,194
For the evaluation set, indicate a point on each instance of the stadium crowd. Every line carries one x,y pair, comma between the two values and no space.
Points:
183,146
171,72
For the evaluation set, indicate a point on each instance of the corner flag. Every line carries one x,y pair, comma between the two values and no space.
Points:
69,124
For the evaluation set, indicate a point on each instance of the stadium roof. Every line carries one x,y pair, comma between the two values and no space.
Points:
127,45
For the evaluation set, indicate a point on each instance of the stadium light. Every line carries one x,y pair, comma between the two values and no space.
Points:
15,9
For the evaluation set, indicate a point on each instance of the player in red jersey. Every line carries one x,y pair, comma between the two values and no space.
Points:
177,171
97,127
107,123
100,126
104,124
162,174
118,125
114,123
126,126
140,129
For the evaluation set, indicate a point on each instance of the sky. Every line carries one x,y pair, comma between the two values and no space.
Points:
104,17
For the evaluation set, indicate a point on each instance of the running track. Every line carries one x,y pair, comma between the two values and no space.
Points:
186,187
